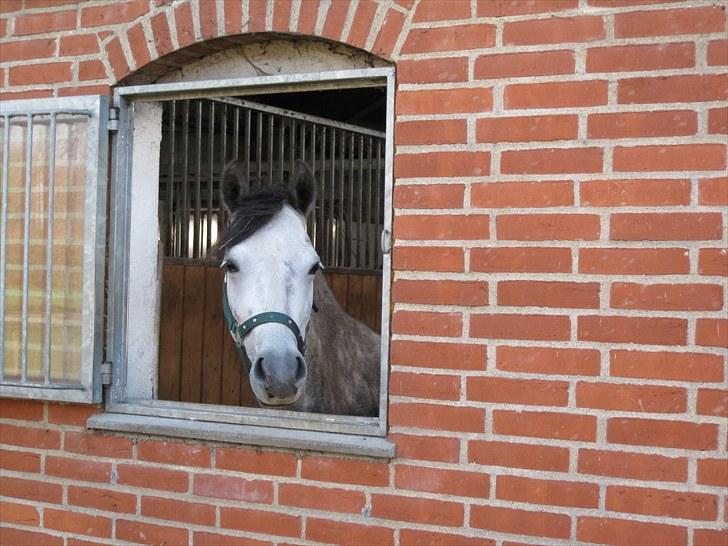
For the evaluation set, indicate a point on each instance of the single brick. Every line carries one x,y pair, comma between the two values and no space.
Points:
521,260
554,30
659,502
545,360
555,94
444,101
552,161
500,390
526,128
449,38
519,65
670,22
635,398
618,531
438,480
681,157
690,88
429,196
635,192
556,193
440,292
640,57
636,466
515,455
437,417
438,355
642,124
516,326
662,433
549,492
643,330
671,366
521,522
634,261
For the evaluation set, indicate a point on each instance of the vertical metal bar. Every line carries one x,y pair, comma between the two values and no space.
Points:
223,160
185,159
350,220
291,147
197,222
323,229
281,147
378,206
332,201
314,217
302,139
341,231
171,235
3,236
49,251
26,250
223,136
246,152
211,159
370,223
259,149
360,205
236,130
270,150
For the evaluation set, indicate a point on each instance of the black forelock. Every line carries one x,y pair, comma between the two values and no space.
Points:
253,211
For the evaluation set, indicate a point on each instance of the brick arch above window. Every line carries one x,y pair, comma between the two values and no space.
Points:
175,33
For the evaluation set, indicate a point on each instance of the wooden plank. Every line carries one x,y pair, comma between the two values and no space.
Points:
170,341
354,296
340,286
212,337
247,397
231,372
194,307
371,305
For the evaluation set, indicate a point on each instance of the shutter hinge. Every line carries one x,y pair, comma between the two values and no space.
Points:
113,124
106,373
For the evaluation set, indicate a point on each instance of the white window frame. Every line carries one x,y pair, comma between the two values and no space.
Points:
96,107
131,403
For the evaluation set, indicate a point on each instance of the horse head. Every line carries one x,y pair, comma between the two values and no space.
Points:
269,265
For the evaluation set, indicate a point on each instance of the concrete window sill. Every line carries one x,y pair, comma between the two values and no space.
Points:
305,440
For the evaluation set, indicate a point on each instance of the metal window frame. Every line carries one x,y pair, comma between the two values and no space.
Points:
96,107
175,418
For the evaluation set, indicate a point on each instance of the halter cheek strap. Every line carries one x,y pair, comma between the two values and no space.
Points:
239,331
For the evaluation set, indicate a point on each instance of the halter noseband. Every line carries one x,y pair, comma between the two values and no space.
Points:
239,331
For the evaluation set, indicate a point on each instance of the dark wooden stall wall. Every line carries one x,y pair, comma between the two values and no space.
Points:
198,361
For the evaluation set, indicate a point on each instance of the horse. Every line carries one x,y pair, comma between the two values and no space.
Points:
301,350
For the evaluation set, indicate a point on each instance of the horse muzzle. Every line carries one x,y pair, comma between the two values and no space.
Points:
277,377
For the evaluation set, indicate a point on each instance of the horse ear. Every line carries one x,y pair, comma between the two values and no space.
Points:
234,184
304,187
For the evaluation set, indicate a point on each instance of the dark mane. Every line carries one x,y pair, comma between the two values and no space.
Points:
252,212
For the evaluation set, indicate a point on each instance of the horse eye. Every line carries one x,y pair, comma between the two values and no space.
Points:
315,268
229,267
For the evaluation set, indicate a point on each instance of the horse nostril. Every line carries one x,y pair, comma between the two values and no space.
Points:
258,373
301,371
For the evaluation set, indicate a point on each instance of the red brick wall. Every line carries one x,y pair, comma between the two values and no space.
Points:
558,351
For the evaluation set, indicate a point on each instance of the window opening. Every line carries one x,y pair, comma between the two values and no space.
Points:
198,361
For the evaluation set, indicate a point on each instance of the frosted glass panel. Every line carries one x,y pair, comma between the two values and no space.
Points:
44,248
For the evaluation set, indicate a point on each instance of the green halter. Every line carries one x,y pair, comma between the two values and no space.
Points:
239,331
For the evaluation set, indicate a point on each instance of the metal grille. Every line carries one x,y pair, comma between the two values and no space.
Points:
201,136
51,246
